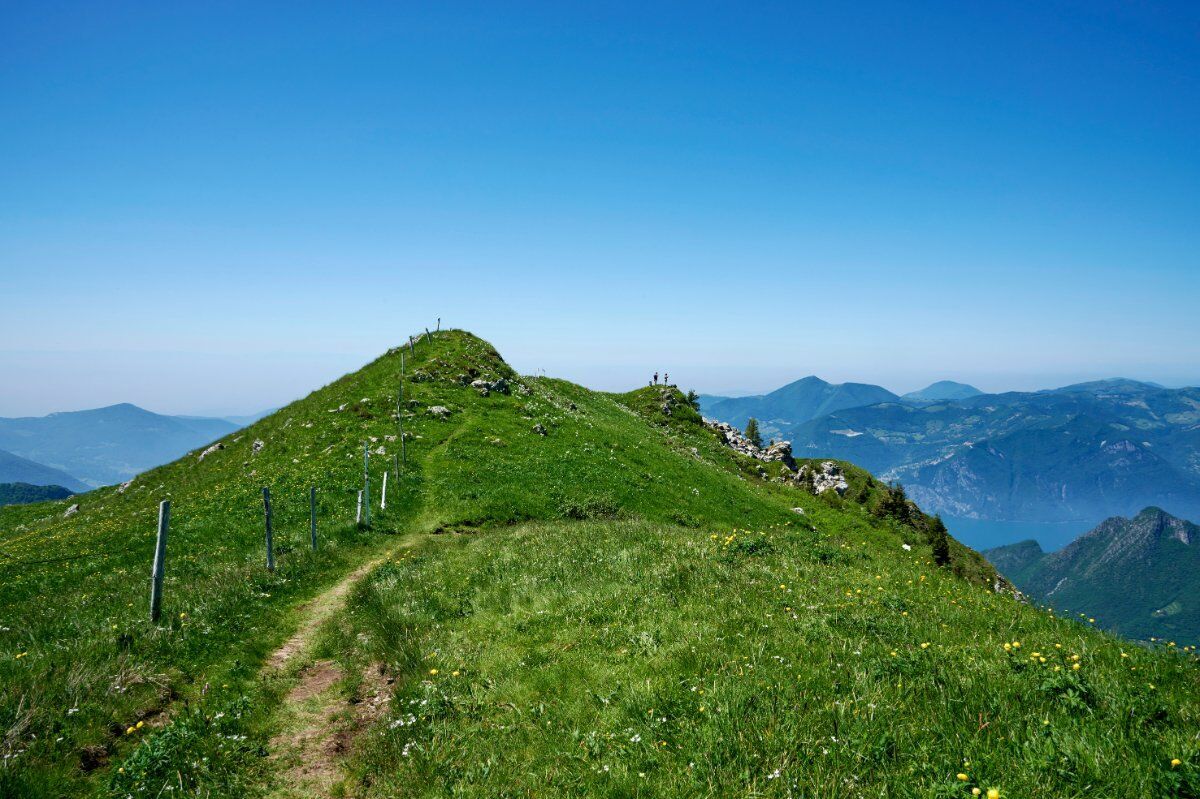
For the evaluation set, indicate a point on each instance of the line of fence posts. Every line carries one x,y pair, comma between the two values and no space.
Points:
362,514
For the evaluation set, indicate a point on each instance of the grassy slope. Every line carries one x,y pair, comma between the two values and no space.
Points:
620,503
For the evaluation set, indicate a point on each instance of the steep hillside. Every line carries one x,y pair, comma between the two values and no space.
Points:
1138,577
15,469
568,593
105,446
796,402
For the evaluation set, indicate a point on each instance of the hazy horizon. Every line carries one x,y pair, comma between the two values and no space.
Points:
143,378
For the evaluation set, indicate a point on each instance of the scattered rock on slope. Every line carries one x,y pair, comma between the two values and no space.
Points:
211,450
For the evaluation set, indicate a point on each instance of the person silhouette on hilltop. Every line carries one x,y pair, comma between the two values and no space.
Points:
666,379
656,378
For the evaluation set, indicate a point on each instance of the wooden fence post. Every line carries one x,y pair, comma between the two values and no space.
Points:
396,464
383,491
312,516
160,560
439,326
366,483
428,338
270,538
358,513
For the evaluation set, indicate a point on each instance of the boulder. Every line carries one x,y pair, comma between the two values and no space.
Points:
71,511
214,448
485,387
440,411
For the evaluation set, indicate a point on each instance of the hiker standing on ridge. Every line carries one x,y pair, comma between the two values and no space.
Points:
656,378
666,379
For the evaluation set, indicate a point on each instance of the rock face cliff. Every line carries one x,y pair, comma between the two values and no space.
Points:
1139,577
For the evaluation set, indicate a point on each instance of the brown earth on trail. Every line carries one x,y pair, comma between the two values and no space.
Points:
319,723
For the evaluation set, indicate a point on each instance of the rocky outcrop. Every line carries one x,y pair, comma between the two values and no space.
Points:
440,411
485,387
214,448
829,477
780,451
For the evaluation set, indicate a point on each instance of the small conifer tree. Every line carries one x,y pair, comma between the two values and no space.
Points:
693,399
939,538
752,434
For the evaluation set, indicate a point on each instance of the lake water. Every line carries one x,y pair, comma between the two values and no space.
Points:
981,534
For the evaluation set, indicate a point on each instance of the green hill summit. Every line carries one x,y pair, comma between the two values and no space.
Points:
562,593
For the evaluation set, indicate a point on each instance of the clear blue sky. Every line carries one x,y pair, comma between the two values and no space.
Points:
210,207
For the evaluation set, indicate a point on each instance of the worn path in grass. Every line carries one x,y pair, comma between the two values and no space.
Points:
317,723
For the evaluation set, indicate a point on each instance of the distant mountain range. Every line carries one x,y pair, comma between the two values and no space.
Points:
99,447
1081,452
1138,577
796,402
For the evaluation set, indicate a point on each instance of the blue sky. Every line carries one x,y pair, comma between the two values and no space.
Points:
215,208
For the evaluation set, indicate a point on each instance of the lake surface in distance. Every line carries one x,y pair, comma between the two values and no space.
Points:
981,534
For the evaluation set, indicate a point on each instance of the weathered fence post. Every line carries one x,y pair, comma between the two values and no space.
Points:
383,491
358,513
312,516
400,413
160,560
396,464
411,349
428,338
366,483
270,537
439,326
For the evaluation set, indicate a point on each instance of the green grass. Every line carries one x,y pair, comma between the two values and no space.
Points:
633,658
554,563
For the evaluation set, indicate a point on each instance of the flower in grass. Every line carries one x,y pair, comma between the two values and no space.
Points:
1175,762
433,672
993,793
962,777
976,791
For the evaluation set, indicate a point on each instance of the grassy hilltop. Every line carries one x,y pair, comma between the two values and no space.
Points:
571,593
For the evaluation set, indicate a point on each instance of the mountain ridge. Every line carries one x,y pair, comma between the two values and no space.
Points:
16,469
1138,575
107,445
